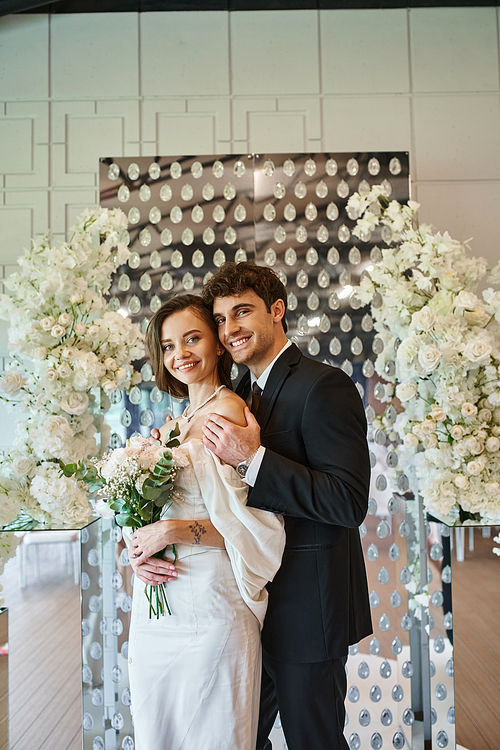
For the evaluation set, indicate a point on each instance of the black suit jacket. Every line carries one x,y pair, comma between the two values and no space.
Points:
316,473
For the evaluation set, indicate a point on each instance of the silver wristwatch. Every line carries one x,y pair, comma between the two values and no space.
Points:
242,467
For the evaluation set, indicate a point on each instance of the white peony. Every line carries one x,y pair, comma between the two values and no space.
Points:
429,356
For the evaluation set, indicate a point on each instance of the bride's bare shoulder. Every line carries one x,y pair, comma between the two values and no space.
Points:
231,406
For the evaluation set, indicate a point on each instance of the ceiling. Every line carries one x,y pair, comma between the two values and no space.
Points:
141,6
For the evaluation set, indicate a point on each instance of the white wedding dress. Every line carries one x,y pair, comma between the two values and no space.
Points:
195,675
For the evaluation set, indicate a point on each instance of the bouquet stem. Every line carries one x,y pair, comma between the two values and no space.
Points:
157,595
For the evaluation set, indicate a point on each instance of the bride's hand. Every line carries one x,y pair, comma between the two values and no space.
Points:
151,539
154,571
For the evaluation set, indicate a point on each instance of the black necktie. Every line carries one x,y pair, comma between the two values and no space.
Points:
256,394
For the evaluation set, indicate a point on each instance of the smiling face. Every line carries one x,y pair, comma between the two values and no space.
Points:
248,330
189,348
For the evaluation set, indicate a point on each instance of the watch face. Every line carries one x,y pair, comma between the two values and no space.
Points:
242,470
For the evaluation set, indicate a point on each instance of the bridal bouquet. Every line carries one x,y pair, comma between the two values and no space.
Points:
68,352
438,347
135,485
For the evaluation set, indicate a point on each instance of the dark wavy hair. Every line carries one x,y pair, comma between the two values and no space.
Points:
164,380
233,279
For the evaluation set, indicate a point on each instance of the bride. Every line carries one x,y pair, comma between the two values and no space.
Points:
195,675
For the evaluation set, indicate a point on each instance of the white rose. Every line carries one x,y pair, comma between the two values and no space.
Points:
121,375
457,432
474,468
64,319
429,356
461,449
410,440
93,331
110,364
47,322
41,352
102,508
23,465
64,370
424,319
473,445
492,488
76,298
492,444
406,391
461,481
478,350
51,374
417,429
485,415
496,416
80,329
469,410
75,403
438,413
495,430
108,385
69,352
481,435
57,331
428,426
466,300
430,441
12,382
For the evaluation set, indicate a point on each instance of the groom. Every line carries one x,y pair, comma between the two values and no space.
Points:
304,455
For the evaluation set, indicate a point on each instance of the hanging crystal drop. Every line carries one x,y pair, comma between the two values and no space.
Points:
218,214
155,259
379,391
240,213
217,168
377,345
230,236
207,277
313,347
354,301
240,256
197,170
165,192
145,237
344,278
113,171
302,324
167,282
311,212
124,282
323,279
353,694
282,277
354,256
395,166
335,347
383,530
135,305
333,301
302,279
333,256
197,214
279,235
373,166
188,281
375,696
368,368
367,323
197,259
268,168
175,170
370,414
321,189
145,282
324,323
364,717
386,235
352,167
289,212
187,192
270,257
134,215
352,212
292,301
290,257
145,193
395,599
176,215
208,191
300,190
234,371
331,167
312,301
372,553
123,194
239,168
219,258
187,237
288,168
344,233
301,234
155,303
342,189
133,171
269,212
322,234
356,346
384,623
387,188
176,259
332,212
375,254
134,260
312,257
391,414
310,167
363,187
209,236
347,367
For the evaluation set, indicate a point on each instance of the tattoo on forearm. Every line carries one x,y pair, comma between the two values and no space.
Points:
198,530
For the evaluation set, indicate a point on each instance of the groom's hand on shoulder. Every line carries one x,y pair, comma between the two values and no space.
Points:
231,442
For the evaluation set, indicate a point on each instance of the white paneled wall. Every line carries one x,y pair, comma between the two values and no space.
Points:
77,87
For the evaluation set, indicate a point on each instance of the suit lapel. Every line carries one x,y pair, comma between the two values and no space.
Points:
243,388
276,378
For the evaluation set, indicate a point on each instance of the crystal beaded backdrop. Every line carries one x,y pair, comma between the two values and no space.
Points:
187,215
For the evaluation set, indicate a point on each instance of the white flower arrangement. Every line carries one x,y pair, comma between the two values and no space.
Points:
440,347
65,344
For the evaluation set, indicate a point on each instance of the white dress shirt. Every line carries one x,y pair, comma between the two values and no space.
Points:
253,469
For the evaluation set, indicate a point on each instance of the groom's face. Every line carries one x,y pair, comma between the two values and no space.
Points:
246,327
